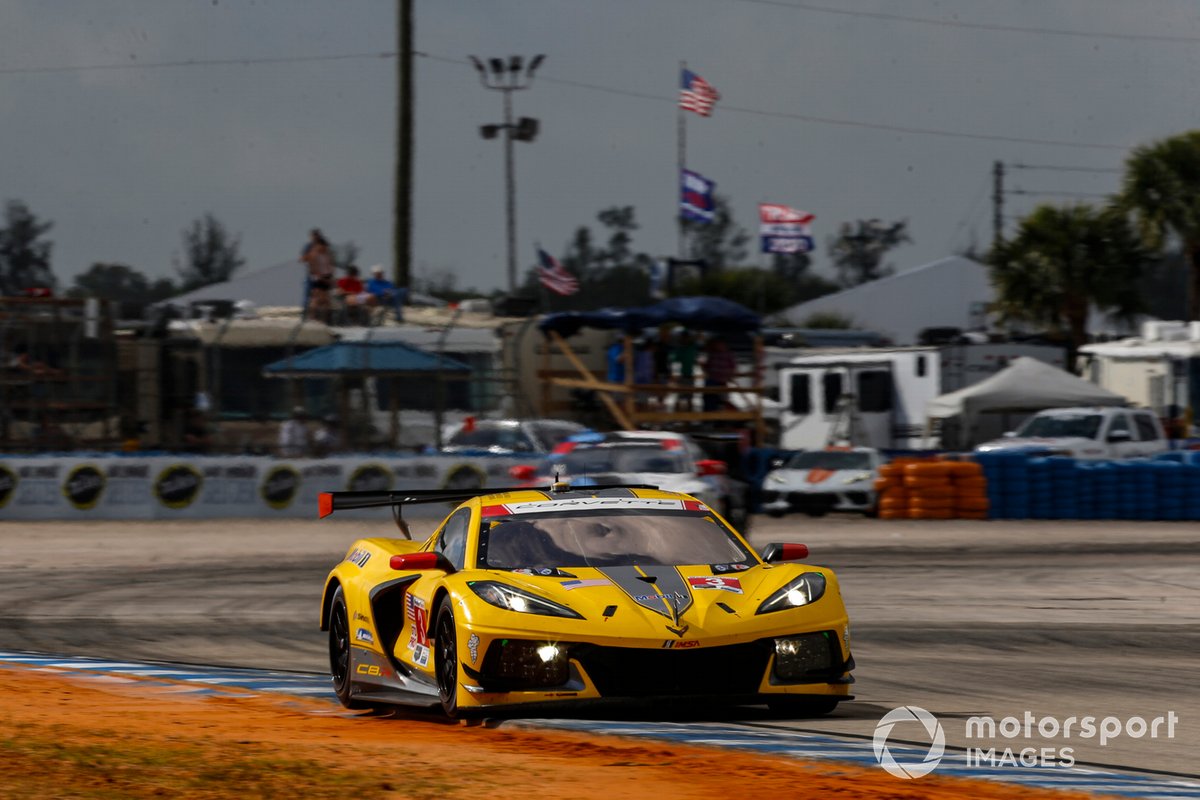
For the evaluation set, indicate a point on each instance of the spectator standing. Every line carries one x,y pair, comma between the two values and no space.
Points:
685,353
719,369
293,435
386,293
318,258
327,438
195,432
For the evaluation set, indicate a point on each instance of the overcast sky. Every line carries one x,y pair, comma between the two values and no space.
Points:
848,109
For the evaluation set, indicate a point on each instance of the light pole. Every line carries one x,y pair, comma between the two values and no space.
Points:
508,77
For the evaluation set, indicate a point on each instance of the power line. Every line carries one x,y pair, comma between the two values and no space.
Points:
985,26
1040,193
1051,168
849,123
193,62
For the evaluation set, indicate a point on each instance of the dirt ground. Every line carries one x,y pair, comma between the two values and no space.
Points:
64,736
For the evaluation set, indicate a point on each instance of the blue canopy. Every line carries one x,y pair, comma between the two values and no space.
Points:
714,314
367,358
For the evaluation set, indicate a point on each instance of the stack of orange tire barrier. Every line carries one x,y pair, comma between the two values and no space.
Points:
970,490
893,495
932,489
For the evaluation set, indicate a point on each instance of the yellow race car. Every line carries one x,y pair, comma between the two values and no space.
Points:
559,594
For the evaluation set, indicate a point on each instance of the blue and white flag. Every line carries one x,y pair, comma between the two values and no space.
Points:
696,201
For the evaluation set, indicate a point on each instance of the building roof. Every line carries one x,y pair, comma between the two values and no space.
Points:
951,292
370,358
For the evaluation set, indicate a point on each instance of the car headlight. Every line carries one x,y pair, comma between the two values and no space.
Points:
806,589
775,477
511,598
862,476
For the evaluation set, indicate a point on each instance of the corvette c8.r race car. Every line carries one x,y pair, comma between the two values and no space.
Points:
561,595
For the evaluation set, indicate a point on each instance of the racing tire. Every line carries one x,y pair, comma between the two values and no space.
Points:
801,707
816,512
446,658
339,651
464,479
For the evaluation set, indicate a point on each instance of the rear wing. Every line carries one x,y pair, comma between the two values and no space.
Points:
329,502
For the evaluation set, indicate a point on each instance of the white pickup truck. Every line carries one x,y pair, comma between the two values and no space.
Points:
1086,433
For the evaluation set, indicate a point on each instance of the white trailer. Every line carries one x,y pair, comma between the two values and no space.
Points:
876,397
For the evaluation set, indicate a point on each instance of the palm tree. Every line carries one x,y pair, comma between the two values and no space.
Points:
1062,262
1161,188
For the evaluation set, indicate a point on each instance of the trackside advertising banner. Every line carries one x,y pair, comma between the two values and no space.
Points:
196,487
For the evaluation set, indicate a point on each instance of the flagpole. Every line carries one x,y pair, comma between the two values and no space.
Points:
681,144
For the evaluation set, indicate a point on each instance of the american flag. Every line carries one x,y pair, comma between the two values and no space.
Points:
697,94
554,277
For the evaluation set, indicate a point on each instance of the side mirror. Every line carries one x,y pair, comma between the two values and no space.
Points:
776,552
710,466
425,560
1120,436
523,472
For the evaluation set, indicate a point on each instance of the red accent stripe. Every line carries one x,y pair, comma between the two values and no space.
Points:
495,511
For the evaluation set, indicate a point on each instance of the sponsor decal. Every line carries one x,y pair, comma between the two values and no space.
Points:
364,635
729,567
8,485
679,631
370,478
359,557
583,503
642,598
361,617
473,646
421,655
418,637
681,644
177,486
580,584
84,486
373,670
716,582
280,486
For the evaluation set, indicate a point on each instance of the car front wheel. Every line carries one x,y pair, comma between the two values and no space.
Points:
446,658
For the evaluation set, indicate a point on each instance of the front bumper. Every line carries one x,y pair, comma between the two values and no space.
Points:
816,663
842,500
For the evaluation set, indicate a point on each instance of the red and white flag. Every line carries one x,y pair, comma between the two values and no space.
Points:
697,94
554,276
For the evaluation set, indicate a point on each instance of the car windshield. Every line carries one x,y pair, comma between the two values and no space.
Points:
608,538
1084,426
632,458
829,459
487,437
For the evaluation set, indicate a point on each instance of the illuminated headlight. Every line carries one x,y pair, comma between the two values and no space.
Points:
799,656
517,664
511,598
806,589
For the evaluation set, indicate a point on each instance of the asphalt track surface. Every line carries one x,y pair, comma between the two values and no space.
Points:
1057,619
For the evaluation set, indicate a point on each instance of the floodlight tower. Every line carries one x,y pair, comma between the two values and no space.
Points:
508,77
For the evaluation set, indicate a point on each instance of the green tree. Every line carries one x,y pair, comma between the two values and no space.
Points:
722,242
121,283
1062,262
24,254
1161,188
800,283
211,254
760,290
859,249
832,320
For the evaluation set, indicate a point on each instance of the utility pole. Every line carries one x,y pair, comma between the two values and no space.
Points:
509,77
402,206
997,203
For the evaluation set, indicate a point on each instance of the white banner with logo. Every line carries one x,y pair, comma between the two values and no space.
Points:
106,486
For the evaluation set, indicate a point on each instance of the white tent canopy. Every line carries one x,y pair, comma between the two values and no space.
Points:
1026,384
